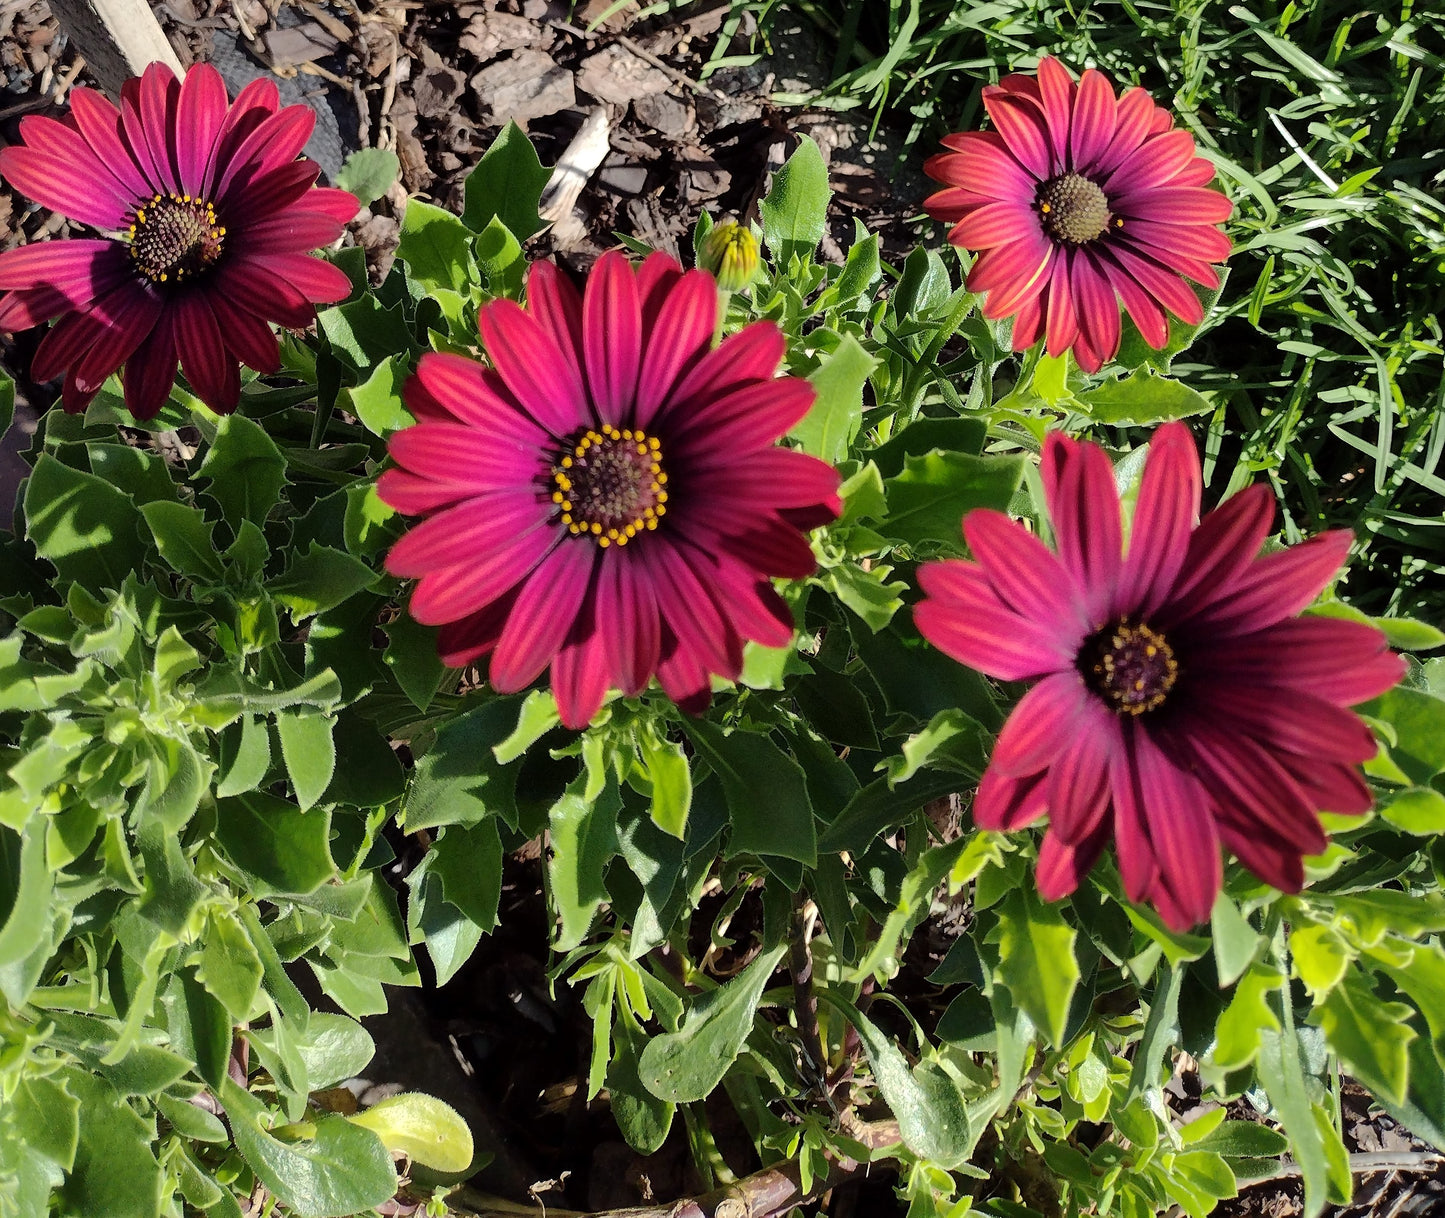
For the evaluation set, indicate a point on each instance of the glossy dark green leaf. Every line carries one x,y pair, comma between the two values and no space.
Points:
928,500
458,781
245,469
320,579
277,846
767,794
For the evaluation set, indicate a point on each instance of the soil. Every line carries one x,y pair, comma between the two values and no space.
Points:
435,82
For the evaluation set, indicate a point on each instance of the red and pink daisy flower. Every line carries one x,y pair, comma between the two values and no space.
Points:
213,217
1077,201
608,497
1181,704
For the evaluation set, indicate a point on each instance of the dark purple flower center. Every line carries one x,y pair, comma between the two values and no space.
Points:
1130,666
175,237
1074,210
610,484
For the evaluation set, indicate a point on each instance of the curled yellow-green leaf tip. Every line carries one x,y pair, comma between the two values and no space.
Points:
730,252
421,1127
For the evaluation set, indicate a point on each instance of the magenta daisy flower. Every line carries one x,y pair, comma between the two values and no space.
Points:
607,498
1078,200
212,217
1181,704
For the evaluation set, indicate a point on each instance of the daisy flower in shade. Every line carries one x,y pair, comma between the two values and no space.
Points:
213,217
608,497
1180,705
1078,200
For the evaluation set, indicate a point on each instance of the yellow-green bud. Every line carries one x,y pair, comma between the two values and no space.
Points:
730,252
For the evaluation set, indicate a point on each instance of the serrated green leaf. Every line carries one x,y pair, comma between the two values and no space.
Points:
1370,1035
436,247
115,1174
584,838
377,401
1320,957
280,848
1418,810
685,1066
245,469
936,490
832,422
506,184
781,824
1235,940
228,965
458,781
1142,398
183,537
309,751
88,530
671,776
1036,961
468,862
320,579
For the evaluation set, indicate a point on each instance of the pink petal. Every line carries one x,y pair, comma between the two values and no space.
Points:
1097,307
1061,321
1180,246
481,532
556,305
983,163
151,370
262,291
964,618
69,180
1133,118
293,231
1148,313
257,102
317,280
204,359
1022,128
1004,804
689,610
1095,117
580,674
78,268
128,314
1175,205
1044,722
1062,865
752,354
276,141
612,337
680,337
1168,505
628,619
1078,786
1026,574
527,358
1343,662
246,334
1330,787
466,457
99,122
474,395
1027,323
542,617
465,642
1084,507
1279,866
1223,545
993,224
1137,865
201,113
745,418
148,118
1274,587
1152,164
1167,288
1311,728
1056,90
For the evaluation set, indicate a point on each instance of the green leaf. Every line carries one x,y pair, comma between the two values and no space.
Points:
584,838
499,259
319,580
309,751
1235,940
1282,1075
7,404
870,594
183,536
436,247
280,849
1408,634
671,776
377,400
26,888
468,862
936,490
424,1129
1418,810
931,1113
685,1066
1036,961
335,1169
368,173
229,965
830,425
365,333
245,469
115,1174
1142,398
1319,955
1244,1140
1248,1015
643,1118
1423,979
746,764
506,184
245,756
334,1048
1370,1035
46,1117
458,780
85,527
795,211
411,654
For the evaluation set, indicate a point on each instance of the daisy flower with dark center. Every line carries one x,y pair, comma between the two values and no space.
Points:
1181,704
608,498
1078,200
211,217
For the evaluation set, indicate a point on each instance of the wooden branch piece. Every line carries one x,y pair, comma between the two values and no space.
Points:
118,38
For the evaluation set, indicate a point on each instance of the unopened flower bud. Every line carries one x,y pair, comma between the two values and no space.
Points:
730,252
